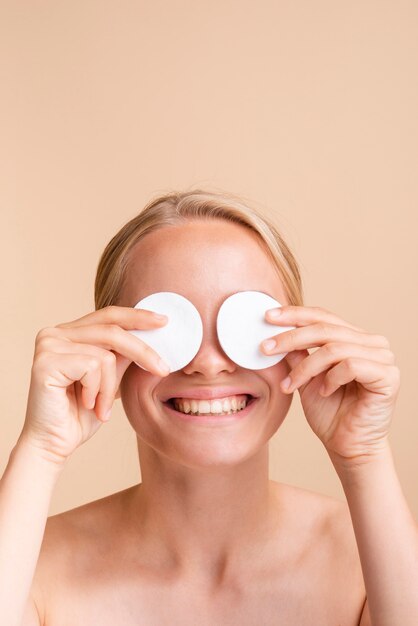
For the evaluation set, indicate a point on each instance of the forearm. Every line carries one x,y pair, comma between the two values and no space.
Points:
387,539
25,493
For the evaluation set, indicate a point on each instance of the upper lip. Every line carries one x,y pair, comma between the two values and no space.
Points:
209,393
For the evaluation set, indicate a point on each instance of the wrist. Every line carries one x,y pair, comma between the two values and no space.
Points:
47,461
357,465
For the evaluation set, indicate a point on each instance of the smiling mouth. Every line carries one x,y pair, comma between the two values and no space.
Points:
191,407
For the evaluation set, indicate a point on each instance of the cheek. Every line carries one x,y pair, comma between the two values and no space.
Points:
135,385
130,380
279,402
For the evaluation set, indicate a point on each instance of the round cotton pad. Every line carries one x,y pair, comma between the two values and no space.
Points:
241,329
179,340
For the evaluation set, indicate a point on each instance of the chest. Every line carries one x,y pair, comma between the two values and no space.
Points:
296,600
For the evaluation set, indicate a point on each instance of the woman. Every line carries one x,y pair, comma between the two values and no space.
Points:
206,538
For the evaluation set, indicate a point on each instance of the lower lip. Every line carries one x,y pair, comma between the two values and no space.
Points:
212,419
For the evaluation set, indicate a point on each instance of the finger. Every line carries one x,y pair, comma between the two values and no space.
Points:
376,377
90,379
89,421
326,357
112,337
319,334
108,359
107,389
62,370
304,315
126,317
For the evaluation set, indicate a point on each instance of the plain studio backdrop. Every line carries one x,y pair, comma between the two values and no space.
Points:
307,109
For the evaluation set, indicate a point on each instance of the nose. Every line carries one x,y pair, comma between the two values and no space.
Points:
210,359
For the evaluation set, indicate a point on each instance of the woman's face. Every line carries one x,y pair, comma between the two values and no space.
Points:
204,261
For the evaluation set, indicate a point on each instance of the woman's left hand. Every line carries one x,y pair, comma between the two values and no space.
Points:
357,370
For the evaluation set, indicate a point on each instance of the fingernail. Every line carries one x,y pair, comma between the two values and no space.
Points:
164,367
108,414
160,317
269,344
274,313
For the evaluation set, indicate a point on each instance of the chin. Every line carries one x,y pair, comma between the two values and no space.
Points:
204,450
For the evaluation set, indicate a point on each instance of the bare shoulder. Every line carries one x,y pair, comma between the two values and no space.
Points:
82,526
75,545
325,518
328,535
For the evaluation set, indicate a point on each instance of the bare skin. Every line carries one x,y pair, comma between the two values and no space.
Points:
206,537
96,568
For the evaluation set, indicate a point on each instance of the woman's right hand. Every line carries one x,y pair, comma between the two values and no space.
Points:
76,372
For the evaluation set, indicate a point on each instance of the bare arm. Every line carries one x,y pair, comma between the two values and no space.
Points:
25,493
348,390
76,371
387,539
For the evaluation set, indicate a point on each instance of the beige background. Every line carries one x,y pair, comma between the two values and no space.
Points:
307,108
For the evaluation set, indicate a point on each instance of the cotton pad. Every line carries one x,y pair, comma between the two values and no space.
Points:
179,340
241,329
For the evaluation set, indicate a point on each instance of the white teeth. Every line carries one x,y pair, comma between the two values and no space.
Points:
217,406
203,406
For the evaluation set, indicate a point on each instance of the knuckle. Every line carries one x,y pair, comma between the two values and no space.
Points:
385,342
63,325
356,328
351,364
391,356
109,358
333,348
44,332
43,343
382,341
41,364
93,363
113,330
322,329
111,312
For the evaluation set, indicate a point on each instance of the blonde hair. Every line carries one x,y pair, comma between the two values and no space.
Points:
174,208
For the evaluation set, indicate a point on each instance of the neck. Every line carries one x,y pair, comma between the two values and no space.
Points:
204,521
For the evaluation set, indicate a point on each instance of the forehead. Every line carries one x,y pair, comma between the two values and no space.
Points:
203,260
